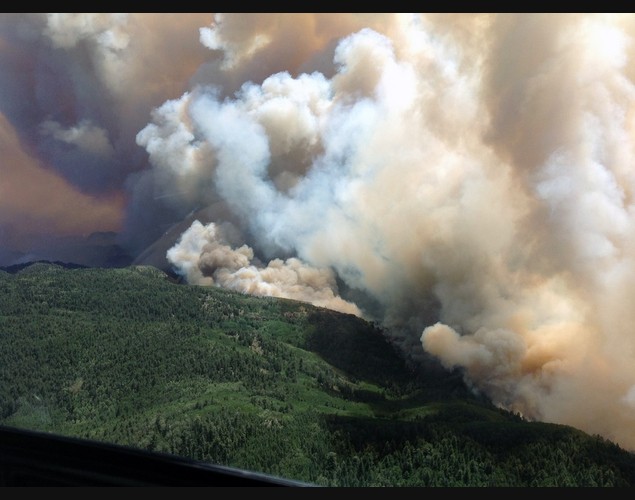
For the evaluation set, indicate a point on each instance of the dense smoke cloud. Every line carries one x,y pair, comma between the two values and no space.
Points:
466,180
204,257
33,196
76,89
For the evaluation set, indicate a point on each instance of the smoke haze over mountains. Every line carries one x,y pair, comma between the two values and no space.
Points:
466,180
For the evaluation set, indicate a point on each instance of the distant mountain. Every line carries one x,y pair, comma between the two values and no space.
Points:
15,268
269,385
99,249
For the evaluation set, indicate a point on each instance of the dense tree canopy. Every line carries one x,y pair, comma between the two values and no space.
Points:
270,385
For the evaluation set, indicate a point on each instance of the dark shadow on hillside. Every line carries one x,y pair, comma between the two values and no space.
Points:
362,351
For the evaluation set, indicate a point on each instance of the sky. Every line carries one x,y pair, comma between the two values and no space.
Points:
465,180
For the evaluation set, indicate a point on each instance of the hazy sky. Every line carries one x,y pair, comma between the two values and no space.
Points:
466,180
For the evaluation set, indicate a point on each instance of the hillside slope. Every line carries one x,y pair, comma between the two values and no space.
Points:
270,385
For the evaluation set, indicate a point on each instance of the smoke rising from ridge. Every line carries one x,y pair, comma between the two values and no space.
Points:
471,175
204,257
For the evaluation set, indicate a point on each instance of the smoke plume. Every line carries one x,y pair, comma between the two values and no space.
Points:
465,179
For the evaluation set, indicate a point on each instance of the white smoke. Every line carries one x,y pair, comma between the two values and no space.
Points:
86,136
486,205
204,258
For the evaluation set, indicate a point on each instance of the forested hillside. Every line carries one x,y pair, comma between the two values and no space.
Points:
270,385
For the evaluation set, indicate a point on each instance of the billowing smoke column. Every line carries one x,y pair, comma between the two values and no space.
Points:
473,176
466,180
204,257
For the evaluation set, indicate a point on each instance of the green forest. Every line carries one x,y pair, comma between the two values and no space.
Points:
130,356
